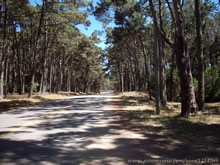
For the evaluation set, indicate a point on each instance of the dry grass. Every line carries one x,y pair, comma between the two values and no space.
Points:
141,110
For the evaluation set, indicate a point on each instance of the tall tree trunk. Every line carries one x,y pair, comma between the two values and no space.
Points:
46,47
201,82
15,42
163,91
35,50
4,48
147,73
23,73
188,100
156,56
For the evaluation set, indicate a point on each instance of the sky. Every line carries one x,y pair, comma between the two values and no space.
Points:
95,25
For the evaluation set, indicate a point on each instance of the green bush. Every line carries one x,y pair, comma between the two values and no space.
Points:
212,84
195,85
175,85
36,87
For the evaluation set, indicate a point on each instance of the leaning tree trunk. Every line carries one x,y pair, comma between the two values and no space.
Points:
188,100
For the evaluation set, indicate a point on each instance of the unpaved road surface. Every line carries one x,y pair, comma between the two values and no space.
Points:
78,130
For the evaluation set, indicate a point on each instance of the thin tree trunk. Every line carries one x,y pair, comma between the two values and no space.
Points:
163,92
122,80
69,81
22,84
6,78
171,78
41,83
50,78
33,67
13,80
4,49
156,56
201,82
46,47
147,73
23,73
1,84
32,83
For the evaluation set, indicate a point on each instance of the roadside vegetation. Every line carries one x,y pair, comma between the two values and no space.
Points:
42,50
13,101
168,48
141,110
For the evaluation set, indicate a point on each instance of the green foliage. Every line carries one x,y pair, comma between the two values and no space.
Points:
195,85
212,87
212,84
36,87
175,84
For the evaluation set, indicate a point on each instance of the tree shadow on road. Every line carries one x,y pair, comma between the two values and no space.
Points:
84,133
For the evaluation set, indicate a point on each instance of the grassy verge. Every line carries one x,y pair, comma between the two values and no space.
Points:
20,101
141,110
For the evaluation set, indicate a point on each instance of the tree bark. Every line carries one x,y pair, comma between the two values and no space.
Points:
6,77
201,82
69,80
50,78
33,59
171,78
156,56
46,47
188,100
163,90
4,49
147,73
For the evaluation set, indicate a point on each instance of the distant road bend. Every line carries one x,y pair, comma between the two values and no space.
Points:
77,130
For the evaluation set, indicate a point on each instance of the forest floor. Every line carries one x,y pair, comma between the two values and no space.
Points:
141,110
197,133
13,101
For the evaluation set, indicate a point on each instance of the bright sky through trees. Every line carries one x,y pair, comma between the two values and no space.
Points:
94,26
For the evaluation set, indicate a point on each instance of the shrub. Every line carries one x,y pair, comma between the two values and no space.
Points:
212,84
